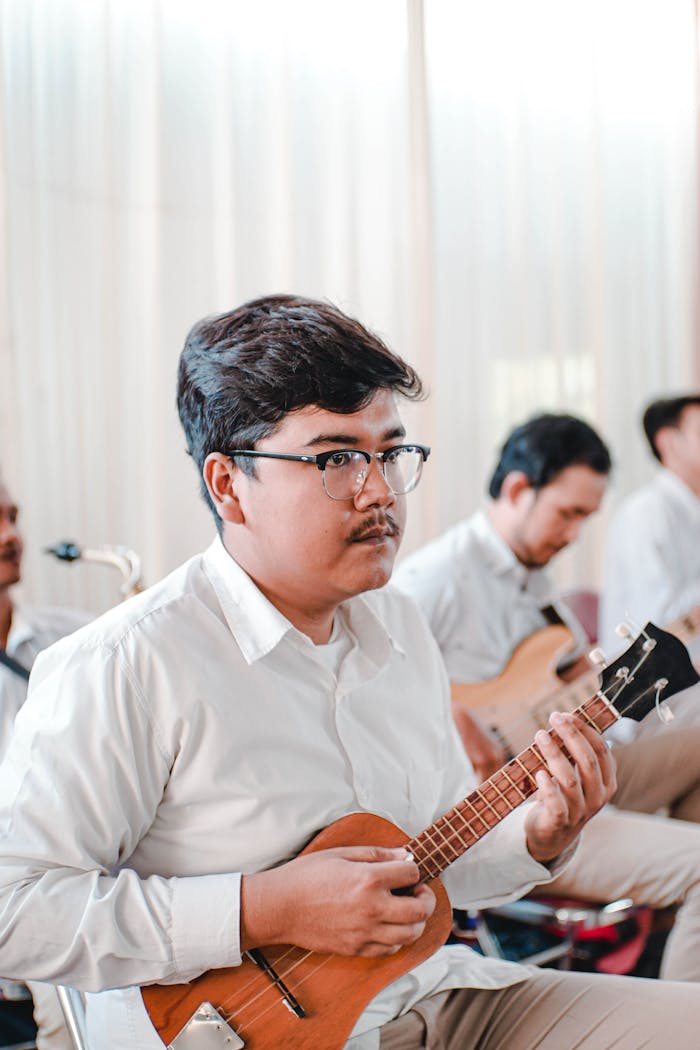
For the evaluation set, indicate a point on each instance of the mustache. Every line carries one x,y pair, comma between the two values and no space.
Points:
384,523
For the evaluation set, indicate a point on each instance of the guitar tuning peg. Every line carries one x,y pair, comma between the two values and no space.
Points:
623,630
597,657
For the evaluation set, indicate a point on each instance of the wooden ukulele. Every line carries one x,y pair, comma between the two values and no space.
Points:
518,701
287,997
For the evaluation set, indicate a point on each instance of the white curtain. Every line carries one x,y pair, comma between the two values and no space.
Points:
505,191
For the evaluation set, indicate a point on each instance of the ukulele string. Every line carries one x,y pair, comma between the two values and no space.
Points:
264,982
248,1024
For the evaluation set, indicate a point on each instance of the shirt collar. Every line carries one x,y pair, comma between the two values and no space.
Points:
258,626
678,488
21,630
501,560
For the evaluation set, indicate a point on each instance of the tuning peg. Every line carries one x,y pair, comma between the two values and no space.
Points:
597,657
623,630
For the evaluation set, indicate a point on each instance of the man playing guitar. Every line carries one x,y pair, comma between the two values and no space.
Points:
550,478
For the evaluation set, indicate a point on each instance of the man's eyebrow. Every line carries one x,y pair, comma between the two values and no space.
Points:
351,440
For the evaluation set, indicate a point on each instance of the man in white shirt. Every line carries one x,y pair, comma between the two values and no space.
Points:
484,588
652,558
175,756
24,632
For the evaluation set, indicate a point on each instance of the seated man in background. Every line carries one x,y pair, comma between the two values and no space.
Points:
652,561
484,589
24,632
202,732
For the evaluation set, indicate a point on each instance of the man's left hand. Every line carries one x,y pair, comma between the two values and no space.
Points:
571,790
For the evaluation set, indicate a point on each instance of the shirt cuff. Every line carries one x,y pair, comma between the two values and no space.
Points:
205,923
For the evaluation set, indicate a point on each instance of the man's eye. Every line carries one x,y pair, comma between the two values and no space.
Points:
340,459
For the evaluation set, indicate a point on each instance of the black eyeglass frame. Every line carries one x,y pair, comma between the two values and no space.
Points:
320,459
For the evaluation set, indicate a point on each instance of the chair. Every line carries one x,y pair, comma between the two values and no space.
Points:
584,605
73,1008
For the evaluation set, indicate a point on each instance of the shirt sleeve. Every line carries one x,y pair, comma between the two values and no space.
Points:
643,579
85,746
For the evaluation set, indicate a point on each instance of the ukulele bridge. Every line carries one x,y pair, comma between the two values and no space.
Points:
206,1030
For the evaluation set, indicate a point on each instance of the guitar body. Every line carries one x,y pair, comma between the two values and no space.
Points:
512,702
333,989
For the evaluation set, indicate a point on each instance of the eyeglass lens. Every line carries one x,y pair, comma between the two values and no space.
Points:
344,474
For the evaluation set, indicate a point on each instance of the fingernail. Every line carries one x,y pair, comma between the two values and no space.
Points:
557,718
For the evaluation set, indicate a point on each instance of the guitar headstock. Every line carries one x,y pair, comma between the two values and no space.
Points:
655,666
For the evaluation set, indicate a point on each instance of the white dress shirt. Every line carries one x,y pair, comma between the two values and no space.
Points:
652,558
31,631
480,601
192,734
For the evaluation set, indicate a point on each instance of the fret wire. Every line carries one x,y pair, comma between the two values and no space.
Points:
588,719
454,830
414,845
526,771
494,785
436,847
491,783
432,871
426,863
450,834
512,782
439,845
458,812
479,813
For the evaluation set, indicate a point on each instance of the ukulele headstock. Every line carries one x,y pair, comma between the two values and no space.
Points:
654,667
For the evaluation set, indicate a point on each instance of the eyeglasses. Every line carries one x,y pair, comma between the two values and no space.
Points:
345,470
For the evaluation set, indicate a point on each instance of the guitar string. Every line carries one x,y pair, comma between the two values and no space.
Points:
227,1004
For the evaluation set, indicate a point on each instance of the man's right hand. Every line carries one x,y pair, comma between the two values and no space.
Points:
337,901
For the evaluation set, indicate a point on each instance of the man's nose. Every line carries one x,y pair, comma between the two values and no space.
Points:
571,531
9,530
376,490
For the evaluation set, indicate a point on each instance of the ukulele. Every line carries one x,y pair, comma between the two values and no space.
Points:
287,997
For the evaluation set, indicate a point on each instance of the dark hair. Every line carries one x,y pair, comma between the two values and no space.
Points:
665,413
242,372
547,444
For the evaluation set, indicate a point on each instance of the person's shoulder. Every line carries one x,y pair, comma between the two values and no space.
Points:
56,621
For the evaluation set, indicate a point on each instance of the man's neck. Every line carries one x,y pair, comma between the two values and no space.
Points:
690,480
5,617
499,525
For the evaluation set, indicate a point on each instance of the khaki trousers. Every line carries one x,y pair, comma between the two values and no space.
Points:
554,1010
661,769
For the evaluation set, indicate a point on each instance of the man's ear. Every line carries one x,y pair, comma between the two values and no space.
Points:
665,440
221,477
515,487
